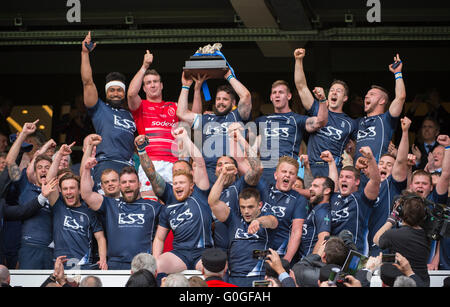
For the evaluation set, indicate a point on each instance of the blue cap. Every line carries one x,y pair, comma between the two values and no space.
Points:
26,147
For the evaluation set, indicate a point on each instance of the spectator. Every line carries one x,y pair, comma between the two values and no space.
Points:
143,261
91,282
214,127
196,281
5,278
3,143
57,278
338,127
375,130
111,121
273,275
425,142
410,240
215,267
175,280
141,279
154,118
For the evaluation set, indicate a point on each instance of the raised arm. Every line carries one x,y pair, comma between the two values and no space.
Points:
400,168
197,102
183,111
200,173
11,157
443,181
248,162
134,101
90,93
314,123
327,156
157,182
64,150
93,199
300,80
400,92
369,165
220,210
245,98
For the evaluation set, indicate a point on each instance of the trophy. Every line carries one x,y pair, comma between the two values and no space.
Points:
207,61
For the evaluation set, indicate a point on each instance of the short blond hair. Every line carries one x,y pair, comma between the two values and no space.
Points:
289,160
281,82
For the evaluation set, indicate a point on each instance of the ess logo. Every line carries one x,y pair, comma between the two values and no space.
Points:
131,219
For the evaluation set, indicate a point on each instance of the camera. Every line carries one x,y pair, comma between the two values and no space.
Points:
436,222
388,258
260,254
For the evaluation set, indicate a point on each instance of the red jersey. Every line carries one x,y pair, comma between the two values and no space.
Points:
156,120
217,282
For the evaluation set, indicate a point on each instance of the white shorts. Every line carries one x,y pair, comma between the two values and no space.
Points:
163,168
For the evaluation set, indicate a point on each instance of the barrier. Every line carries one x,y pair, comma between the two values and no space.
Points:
113,278
118,278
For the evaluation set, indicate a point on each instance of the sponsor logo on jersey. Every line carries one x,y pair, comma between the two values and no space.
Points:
131,219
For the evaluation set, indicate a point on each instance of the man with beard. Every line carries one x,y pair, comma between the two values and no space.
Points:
130,221
377,127
317,225
214,127
186,211
350,207
74,225
115,124
340,128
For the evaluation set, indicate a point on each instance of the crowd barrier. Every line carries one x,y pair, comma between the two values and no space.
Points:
118,278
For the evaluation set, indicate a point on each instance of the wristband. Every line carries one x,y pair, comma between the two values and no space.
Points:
447,147
398,76
185,87
323,101
230,77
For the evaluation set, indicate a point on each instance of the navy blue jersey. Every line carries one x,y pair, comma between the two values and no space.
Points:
73,231
36,230
317,221
242,244
286,206
382,207
281,135
351,213
215,141
117,128
375,132
333,137
130,227
230,196
190,220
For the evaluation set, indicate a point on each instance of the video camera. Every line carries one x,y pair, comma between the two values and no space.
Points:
437,216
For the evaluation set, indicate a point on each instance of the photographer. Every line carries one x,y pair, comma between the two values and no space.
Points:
410,240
